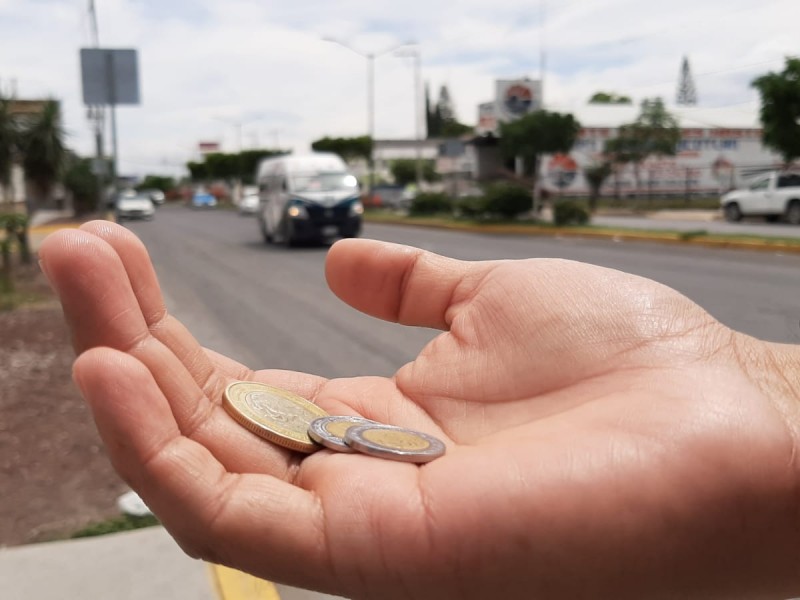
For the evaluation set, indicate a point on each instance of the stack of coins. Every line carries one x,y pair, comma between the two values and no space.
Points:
293,422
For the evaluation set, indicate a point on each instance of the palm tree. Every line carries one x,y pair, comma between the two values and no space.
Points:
43,153
8,143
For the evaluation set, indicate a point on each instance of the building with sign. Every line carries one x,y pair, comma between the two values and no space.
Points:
513,98
720,148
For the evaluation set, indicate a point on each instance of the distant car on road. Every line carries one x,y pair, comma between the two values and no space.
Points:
249,204
134,206
157,196
308,197
772,196
202,199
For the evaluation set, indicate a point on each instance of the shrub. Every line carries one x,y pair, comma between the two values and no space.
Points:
567,212
472,207
507,200
430,204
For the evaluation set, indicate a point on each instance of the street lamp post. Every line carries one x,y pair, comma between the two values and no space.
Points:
370,57
414,53
238,124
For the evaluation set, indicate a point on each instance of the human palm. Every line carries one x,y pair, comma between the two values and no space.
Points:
606,437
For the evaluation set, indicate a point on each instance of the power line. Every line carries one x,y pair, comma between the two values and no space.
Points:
711,73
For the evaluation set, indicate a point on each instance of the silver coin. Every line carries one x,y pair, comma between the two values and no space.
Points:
394,443
329,431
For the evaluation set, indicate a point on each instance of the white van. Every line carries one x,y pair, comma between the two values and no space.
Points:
308,197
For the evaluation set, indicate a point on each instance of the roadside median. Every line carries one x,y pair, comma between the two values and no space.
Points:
696,237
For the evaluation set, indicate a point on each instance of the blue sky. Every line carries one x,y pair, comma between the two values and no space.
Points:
209,68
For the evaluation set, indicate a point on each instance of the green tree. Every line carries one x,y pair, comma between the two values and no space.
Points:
609,98
348,148
537,133
157,182
404,171
596,176
249,160
440,120
654,133
222,165
81,183
625,149
9,138
198,171
13,229
780,109
43,152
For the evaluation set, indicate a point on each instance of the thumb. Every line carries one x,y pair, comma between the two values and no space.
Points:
400,283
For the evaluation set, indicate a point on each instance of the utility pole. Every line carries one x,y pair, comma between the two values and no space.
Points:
97,116
415,54
238,124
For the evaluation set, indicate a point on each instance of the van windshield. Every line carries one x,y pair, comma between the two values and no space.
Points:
324,182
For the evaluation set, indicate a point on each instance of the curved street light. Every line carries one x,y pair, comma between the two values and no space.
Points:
370,57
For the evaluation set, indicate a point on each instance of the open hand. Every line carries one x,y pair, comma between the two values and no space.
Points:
606,437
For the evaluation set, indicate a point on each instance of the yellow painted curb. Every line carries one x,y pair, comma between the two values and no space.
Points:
231,584
616,235
47,229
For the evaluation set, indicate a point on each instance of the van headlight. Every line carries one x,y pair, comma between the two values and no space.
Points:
297,211
356,209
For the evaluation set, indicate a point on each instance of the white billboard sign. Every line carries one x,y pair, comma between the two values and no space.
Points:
109,77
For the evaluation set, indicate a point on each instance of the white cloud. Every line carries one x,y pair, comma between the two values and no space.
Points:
206,65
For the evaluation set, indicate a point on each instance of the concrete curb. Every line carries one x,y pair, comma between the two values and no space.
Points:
617,235
39,232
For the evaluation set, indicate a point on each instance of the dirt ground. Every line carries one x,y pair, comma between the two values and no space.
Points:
55,476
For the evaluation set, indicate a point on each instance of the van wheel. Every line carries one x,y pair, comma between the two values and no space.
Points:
733,213
288,235
793,212
264,232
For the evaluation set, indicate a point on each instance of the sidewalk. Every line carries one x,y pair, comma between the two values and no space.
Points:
145,564
138,565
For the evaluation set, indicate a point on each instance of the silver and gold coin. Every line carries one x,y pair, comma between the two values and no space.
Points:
272,413
329,431
394,443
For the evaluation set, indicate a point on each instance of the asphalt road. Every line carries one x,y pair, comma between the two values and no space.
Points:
270,307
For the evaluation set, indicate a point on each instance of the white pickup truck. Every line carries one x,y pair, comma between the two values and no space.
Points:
772,196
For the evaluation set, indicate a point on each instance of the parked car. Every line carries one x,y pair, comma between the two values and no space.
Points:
157,196
249,204
202,199
772,196
134,206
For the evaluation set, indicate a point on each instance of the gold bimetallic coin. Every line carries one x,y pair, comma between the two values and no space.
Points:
394,443
329,431
272,413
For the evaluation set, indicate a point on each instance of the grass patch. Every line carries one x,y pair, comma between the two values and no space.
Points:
115,525
24,286
650,204
10,300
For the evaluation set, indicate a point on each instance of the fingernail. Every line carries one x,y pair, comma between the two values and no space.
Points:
43,267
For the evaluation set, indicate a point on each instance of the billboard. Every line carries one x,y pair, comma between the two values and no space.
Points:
109,77
208,147
515,98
